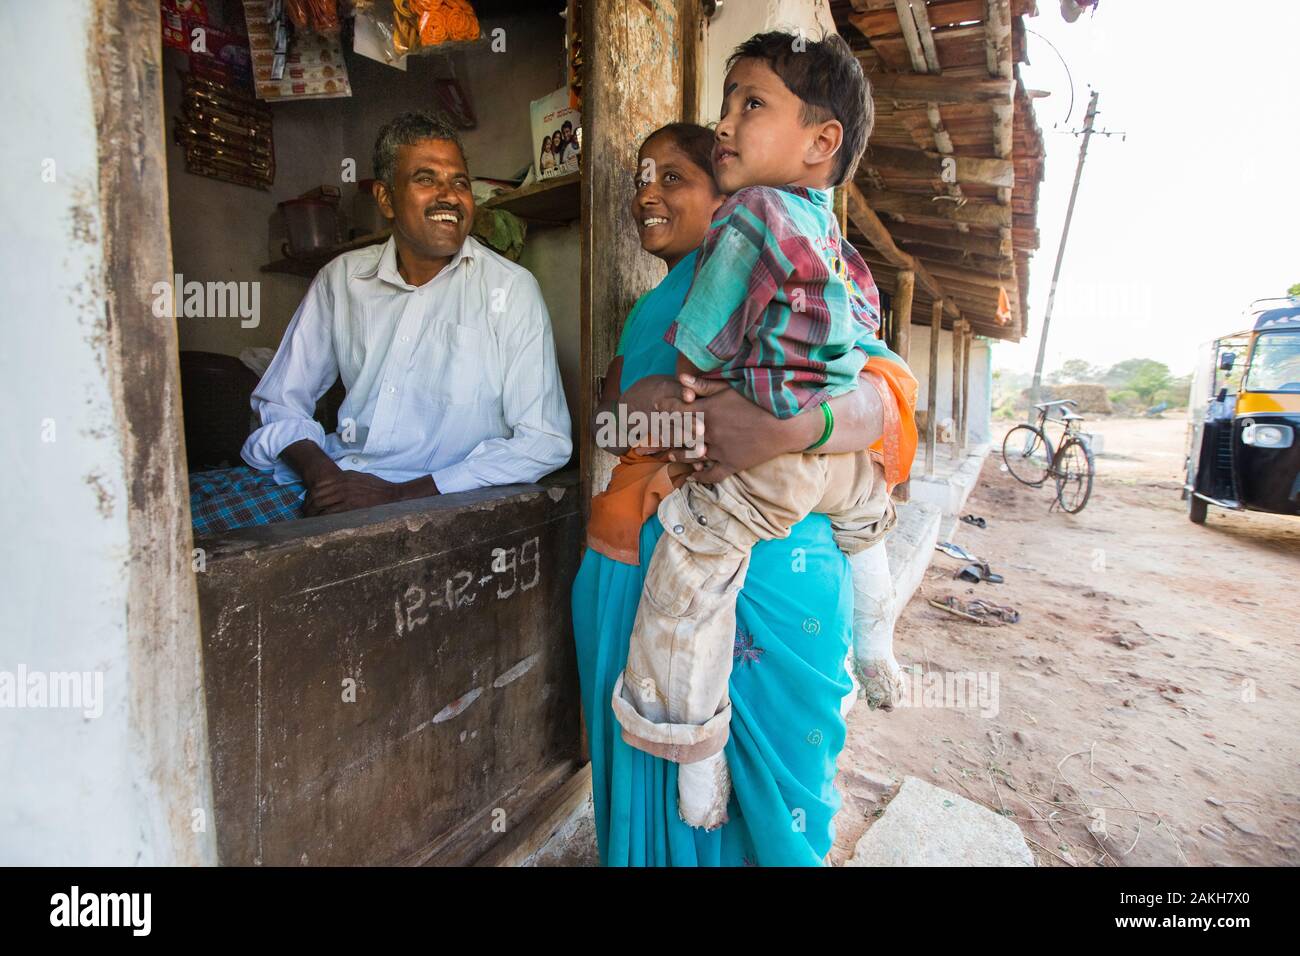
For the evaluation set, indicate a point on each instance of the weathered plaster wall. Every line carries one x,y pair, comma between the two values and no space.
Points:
96,570
979,420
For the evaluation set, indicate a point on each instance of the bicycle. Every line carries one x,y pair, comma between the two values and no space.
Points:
1028,454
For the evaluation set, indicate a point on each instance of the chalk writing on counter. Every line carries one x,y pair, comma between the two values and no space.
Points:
510,571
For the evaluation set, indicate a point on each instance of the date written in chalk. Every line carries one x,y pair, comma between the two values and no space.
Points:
512,571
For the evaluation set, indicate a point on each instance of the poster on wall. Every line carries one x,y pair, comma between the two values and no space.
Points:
557,135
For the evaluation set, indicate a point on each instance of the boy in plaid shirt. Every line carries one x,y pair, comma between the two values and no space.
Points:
784,310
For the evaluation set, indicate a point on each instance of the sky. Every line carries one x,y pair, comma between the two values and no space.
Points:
1193,215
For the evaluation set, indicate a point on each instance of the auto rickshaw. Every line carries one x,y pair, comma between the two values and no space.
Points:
1244,417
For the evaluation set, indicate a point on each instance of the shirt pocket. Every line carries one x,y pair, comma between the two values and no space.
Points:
451,367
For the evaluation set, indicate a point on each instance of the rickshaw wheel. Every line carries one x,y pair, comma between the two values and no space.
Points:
1197,508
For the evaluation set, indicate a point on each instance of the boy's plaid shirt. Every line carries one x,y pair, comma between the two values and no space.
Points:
780,300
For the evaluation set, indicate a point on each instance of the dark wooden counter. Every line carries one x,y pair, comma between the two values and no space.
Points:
391,686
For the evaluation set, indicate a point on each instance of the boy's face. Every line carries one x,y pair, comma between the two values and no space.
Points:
760,138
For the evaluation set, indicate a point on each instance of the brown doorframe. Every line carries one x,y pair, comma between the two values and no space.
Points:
619,37
166,699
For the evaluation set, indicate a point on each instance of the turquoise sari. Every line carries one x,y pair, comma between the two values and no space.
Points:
794,621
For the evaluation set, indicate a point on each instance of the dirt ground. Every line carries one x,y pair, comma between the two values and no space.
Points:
1146,702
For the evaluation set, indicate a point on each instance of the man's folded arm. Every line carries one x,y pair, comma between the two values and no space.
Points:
532,402
303,369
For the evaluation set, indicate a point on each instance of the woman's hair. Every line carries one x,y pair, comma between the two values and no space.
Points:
693,140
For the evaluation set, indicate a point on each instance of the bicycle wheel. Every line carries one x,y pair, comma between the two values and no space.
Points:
1074,471
1028,455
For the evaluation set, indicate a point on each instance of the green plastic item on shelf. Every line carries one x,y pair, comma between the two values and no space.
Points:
502,230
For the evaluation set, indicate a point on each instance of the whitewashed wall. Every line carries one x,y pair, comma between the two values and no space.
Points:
74,789
979,420
981,382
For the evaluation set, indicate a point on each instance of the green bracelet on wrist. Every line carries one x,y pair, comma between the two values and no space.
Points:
826,432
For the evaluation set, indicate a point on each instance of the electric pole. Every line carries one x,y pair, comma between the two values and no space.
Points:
1060,254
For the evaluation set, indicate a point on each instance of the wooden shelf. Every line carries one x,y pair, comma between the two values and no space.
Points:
308,266
550,202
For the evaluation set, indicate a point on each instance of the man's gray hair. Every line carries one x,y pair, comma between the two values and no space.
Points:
407,130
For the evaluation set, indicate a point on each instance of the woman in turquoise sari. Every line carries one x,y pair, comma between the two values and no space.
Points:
794,614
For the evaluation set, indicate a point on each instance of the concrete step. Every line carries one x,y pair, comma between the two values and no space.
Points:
928,826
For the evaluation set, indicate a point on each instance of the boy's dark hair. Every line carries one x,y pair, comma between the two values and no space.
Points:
695,141
828,78
408,129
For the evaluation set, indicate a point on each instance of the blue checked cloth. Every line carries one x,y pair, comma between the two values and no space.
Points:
240,498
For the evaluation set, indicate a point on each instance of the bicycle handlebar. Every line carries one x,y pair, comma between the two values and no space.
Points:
1059,401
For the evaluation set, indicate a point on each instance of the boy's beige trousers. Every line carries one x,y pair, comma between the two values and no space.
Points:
672,699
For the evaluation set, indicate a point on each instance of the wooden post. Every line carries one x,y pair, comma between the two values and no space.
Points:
904,286
932,388
958,337
968,336
616,114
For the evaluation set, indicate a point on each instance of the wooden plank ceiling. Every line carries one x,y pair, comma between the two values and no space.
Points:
949,184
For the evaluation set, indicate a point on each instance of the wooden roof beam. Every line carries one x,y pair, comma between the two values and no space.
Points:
959,258
997,51
970,277
914,204
869,224
921,162
914,20
912,36
872,18
991,246
940,89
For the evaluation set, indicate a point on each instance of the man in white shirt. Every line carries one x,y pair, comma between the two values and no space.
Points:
444,348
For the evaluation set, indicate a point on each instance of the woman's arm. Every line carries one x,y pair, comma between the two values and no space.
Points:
647,395
738,434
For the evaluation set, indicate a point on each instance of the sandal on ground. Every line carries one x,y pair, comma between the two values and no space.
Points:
978,611
977,572
955,551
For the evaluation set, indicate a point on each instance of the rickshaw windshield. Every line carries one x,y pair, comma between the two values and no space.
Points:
1275,363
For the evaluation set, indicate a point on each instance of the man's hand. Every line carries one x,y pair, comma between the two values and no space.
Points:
331,490
347,491
309,460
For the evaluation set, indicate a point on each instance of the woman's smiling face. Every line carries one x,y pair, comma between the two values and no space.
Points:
674,200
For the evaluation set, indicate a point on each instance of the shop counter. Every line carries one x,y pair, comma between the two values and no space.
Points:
395,685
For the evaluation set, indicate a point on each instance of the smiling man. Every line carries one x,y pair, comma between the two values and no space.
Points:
444,348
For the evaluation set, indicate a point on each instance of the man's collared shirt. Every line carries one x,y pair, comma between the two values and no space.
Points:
456,378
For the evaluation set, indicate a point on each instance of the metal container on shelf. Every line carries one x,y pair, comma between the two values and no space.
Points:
313,226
